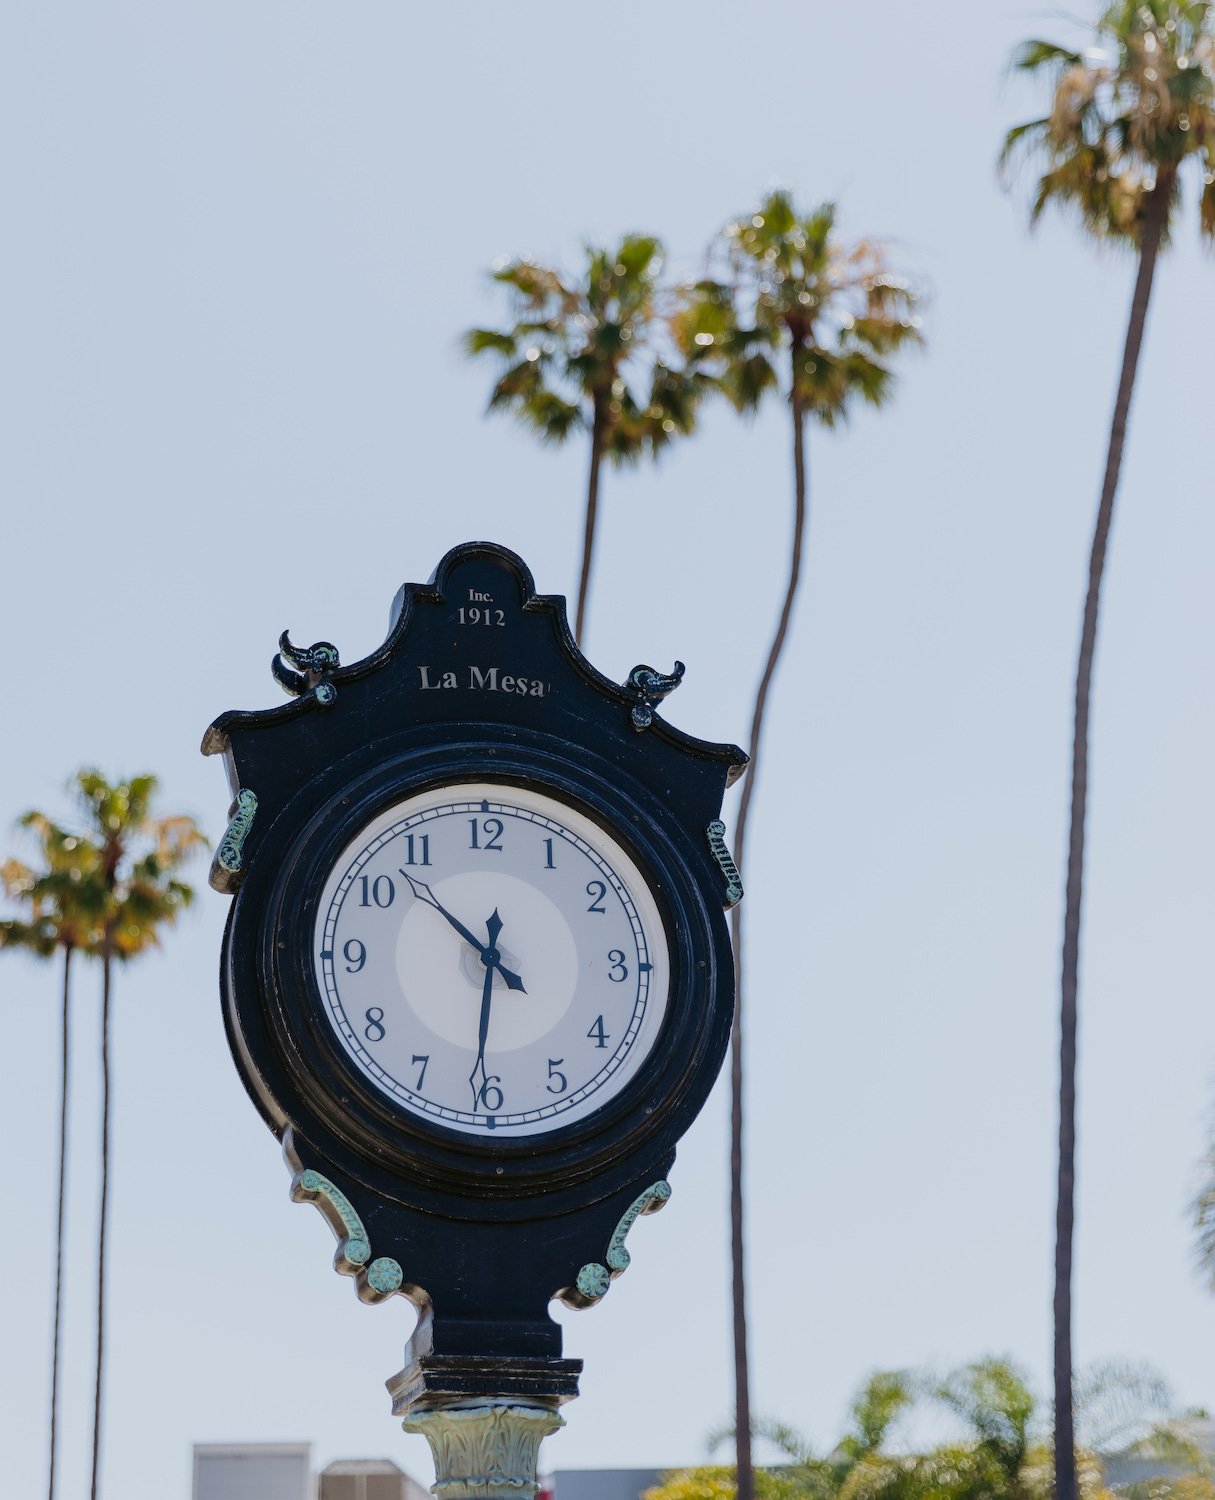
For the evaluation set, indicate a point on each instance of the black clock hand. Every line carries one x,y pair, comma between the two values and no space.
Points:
491,960
424,893
487,993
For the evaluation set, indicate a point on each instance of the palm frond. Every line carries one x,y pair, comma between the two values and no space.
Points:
1035,54
1118,1402
1206,201
1134,105
489,341
1021,137
584,348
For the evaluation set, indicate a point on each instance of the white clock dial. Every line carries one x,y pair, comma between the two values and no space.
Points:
491,959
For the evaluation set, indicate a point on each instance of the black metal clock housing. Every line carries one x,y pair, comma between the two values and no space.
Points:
473,850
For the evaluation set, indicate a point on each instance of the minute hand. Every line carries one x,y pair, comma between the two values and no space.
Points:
424,893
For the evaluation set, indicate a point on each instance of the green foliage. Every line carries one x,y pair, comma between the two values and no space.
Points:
1001,1454
786,293
591,352
106,886
993,1400
62,899
139,857
1125,114
713,1482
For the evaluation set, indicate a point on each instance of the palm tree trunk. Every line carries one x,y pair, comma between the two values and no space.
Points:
64,1064
1155,219
598,423
742,1376
106,961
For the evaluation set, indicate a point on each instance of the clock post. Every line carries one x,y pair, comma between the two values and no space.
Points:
476,978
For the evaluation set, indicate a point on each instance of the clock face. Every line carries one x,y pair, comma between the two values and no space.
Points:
491,959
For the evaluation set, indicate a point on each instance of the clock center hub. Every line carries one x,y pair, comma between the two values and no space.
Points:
442,976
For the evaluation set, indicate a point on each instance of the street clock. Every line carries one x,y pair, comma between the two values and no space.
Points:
476,975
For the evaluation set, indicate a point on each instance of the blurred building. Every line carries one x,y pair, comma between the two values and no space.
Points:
368,1479
599,1484
253,1471
283,1471
1136,1467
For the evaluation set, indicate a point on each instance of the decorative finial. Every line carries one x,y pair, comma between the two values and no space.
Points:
651,687
299,671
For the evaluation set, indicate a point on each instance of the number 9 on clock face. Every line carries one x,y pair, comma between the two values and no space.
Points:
491,959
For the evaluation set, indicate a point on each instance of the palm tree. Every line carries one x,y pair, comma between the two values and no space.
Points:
1000,1451
138,860
588,353
1125,1412
794,310
1203,1209
805,1474
61,916
874,1410
1127,115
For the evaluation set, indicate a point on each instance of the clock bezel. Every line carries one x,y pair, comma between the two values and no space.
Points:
610,1071
297,1070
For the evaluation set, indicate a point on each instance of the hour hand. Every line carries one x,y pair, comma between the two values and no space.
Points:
492,959
424,893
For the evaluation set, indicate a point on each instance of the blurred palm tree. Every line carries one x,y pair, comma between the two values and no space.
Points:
590,353
1129,114
138,861
999,1457
61,914
805,1474
874,1410
1001,1451
786,308
1204,1213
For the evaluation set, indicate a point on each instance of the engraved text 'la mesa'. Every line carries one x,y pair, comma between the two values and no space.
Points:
487,680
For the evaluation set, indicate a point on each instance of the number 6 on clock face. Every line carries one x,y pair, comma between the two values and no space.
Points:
490,959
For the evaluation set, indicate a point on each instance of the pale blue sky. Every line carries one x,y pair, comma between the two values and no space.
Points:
241,243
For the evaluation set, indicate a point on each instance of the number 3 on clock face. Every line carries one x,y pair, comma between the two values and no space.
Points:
491,959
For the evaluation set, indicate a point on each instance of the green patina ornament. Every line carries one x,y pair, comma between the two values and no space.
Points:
717,847
376,1281
226,866
594,1279
384,1276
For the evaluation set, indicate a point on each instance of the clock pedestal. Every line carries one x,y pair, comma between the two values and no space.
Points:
486,1449
484,1416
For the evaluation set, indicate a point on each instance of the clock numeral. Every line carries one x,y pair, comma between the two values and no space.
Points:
374,1029
380,890
490,1086
548,861
424,1060
355,955
488,830
556,1076
412,846
616,959
596,890
597,1033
